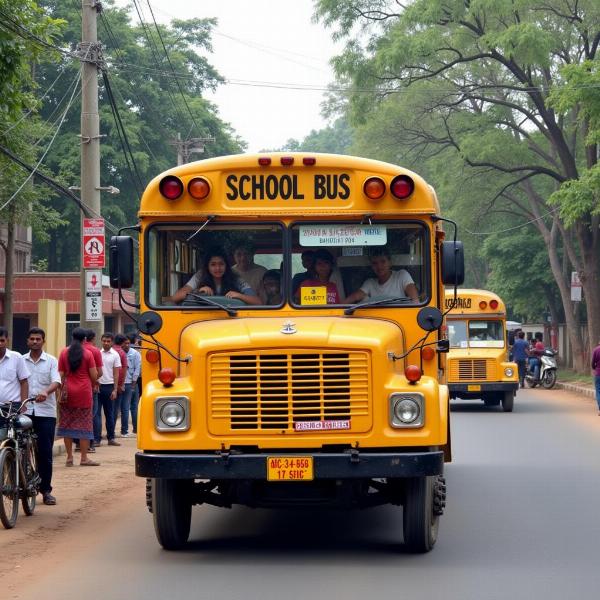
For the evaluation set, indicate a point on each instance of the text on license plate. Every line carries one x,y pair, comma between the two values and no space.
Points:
290,468
473,388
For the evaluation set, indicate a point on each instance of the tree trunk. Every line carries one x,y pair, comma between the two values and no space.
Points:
571,320
9,252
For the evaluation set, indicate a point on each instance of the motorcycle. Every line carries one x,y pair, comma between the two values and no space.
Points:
547,374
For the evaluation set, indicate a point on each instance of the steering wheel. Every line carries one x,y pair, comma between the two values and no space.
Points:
195,299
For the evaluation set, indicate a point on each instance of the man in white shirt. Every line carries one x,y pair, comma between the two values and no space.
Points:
388,283
107,394
13,373
44,381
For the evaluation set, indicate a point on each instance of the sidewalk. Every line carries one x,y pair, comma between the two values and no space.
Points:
577,388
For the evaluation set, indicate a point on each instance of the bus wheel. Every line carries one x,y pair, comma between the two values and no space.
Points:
508,401
172,512
420,519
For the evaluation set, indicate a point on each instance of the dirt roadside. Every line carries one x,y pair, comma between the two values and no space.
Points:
82,493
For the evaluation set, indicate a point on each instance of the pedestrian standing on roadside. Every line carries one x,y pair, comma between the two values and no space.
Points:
134,365
119,340
596,369
78,374
44,381
14,375
88,344
107,394
520,352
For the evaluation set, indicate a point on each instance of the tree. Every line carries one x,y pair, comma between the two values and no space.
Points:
156,96
24,31
485,72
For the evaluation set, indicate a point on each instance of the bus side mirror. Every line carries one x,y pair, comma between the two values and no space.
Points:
453,263
121,261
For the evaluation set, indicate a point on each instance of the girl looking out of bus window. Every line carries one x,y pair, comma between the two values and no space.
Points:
322,269
220,280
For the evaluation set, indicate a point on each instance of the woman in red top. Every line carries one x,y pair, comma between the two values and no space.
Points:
78,374
323,267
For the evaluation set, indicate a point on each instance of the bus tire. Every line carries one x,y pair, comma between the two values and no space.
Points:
508,401
172,512
420,523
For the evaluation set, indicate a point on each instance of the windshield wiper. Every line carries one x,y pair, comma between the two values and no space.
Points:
206,300
402,300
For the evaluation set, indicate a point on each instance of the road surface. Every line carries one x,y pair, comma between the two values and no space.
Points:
522,522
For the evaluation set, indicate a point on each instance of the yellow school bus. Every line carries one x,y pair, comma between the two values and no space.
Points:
478,365
291,316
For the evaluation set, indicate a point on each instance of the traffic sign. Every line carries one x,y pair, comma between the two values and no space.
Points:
93,243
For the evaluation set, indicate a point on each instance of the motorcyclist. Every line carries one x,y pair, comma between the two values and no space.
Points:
536,352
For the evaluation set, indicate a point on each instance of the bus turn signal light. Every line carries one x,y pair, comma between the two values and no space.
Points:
171,187
402,187
152,356
483,305
412,373
166,376
199,188
427,353
374,188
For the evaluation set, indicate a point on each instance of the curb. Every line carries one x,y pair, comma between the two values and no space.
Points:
577,389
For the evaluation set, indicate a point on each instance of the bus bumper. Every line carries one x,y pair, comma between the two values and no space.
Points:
476,390
343,465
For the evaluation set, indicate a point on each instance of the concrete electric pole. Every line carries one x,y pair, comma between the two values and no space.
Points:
185,148
90,51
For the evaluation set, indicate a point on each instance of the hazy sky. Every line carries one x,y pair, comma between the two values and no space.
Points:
264,47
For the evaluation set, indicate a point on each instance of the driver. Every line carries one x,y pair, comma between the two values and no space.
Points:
387,283
217,279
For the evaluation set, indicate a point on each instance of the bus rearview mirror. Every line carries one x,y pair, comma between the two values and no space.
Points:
453,263
121,261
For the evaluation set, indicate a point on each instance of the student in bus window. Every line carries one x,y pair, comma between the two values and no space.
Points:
220,280
308,262
246,268
387,283
323,267
271,288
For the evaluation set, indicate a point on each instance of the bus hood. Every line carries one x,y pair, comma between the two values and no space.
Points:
325,332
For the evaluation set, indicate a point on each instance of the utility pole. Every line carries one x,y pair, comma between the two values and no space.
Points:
90,52
185,148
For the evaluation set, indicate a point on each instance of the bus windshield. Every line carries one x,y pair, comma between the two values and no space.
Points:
475,334
197,264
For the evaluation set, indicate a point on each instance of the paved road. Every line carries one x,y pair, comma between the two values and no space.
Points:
522,523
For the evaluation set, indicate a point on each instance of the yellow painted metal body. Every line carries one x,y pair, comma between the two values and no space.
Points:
472,364
230,404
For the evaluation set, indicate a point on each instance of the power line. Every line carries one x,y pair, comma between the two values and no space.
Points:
44,154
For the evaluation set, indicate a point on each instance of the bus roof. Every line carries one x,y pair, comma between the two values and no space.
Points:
287,184
475,302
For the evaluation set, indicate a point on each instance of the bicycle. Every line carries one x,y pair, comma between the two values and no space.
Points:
19,478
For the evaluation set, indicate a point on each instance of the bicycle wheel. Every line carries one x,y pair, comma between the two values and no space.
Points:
9,502
31,485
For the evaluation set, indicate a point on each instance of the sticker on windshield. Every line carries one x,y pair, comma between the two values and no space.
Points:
342,235
313,295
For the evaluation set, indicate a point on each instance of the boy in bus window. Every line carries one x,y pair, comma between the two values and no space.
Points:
271,288
386,283
323,268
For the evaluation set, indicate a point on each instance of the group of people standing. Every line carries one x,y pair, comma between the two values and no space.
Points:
87,381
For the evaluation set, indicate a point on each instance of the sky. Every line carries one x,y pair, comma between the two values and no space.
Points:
264,47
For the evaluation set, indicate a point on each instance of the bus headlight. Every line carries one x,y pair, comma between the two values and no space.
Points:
509,372
407,410
172,413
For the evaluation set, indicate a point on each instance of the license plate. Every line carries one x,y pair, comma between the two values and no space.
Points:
290,468
473,388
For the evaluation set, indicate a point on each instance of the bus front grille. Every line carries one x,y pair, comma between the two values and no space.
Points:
273,391
476,369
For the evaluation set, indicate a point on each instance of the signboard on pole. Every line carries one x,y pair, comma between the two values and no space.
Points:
93,295
575,287
93,244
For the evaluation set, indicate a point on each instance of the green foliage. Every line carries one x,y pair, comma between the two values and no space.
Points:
335,139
